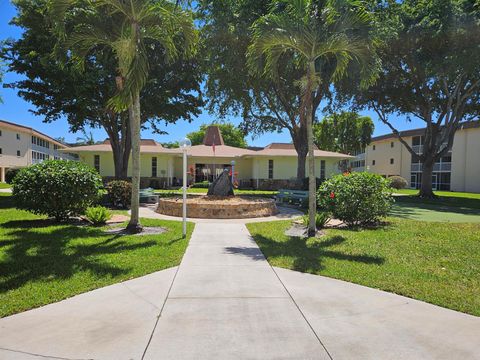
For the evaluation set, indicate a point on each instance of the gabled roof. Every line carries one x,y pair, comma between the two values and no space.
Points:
149,146
31,131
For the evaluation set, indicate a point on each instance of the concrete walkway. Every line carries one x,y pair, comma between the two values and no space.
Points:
225,302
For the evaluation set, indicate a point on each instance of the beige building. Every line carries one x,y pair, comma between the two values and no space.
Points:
459,170
21,146
270,167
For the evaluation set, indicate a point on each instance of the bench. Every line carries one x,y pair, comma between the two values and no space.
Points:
148,196
297,196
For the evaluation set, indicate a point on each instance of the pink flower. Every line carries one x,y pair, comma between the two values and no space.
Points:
332,195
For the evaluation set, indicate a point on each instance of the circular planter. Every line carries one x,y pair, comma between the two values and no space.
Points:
218,207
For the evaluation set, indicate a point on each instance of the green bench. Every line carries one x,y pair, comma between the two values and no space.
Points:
297,196
148,196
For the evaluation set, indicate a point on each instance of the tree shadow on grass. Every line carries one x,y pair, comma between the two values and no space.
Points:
32,254
308,255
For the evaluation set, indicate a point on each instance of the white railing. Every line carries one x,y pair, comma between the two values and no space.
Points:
438,167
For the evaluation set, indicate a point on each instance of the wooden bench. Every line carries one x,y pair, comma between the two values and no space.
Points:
298,196
148,196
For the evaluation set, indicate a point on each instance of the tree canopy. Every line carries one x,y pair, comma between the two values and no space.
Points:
429,51
345,132
232,135
60,89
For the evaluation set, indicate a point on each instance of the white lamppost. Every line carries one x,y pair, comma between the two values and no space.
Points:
233,170
185,144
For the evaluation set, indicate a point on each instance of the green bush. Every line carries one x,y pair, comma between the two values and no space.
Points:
97,215
359,198
321,219
56,188
120,193
10,175
397,182
201,185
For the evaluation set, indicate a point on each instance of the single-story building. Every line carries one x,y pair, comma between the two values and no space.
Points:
270,167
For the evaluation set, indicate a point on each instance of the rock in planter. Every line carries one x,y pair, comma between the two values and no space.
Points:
222,186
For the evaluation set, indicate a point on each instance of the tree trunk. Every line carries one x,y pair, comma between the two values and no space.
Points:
426,186
134,225
300,141
312,181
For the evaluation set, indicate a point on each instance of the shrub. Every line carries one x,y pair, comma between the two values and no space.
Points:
97,215
120,193
397,182
321,219
201,185
359,198
10,175
56,188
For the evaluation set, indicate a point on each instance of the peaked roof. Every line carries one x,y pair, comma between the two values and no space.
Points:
146,146
213,135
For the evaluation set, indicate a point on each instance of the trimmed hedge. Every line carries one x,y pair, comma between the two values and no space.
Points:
397,182
359,198
120,193
56,188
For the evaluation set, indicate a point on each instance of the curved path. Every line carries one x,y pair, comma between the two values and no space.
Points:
225,301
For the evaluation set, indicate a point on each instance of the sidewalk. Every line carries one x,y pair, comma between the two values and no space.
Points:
226,302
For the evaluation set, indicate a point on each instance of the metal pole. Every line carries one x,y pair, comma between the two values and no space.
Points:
233,170
184,192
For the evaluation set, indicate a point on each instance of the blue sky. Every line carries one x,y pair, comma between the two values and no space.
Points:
16,110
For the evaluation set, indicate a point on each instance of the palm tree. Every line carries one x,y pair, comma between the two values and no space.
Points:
313,38
87,138
129,29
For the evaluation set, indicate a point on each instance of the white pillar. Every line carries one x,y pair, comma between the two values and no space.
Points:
184,209
2,174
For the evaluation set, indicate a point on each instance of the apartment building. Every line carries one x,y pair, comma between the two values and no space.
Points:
459,170
21,146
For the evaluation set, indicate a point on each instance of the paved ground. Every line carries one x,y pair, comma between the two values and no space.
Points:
5,190
284,213
225,302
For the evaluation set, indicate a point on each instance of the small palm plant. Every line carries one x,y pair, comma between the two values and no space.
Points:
314,38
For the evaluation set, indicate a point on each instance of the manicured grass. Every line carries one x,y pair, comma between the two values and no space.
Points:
204,191
442,193
434,262
447,207
42,262
4,186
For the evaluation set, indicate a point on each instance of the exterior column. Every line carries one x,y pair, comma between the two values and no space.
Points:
2,174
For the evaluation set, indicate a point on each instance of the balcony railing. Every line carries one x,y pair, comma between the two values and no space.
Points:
438,167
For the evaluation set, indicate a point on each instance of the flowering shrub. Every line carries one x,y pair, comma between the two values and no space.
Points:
359,198
56,188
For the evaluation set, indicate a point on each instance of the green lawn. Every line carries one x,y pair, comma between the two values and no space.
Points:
434,262
4,186
204,191
42,262
448,207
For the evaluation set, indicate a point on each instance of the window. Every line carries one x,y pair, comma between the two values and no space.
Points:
392,144
0,132
96,162
154,166
373,147
373,162
18,136
270,169
322,170
392,161
0,151
18,152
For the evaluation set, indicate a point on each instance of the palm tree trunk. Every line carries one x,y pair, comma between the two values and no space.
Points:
134,225
312,181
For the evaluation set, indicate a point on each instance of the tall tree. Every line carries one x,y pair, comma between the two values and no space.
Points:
87,138
430,70
295,28
232,135
344,132
60,90
128,29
